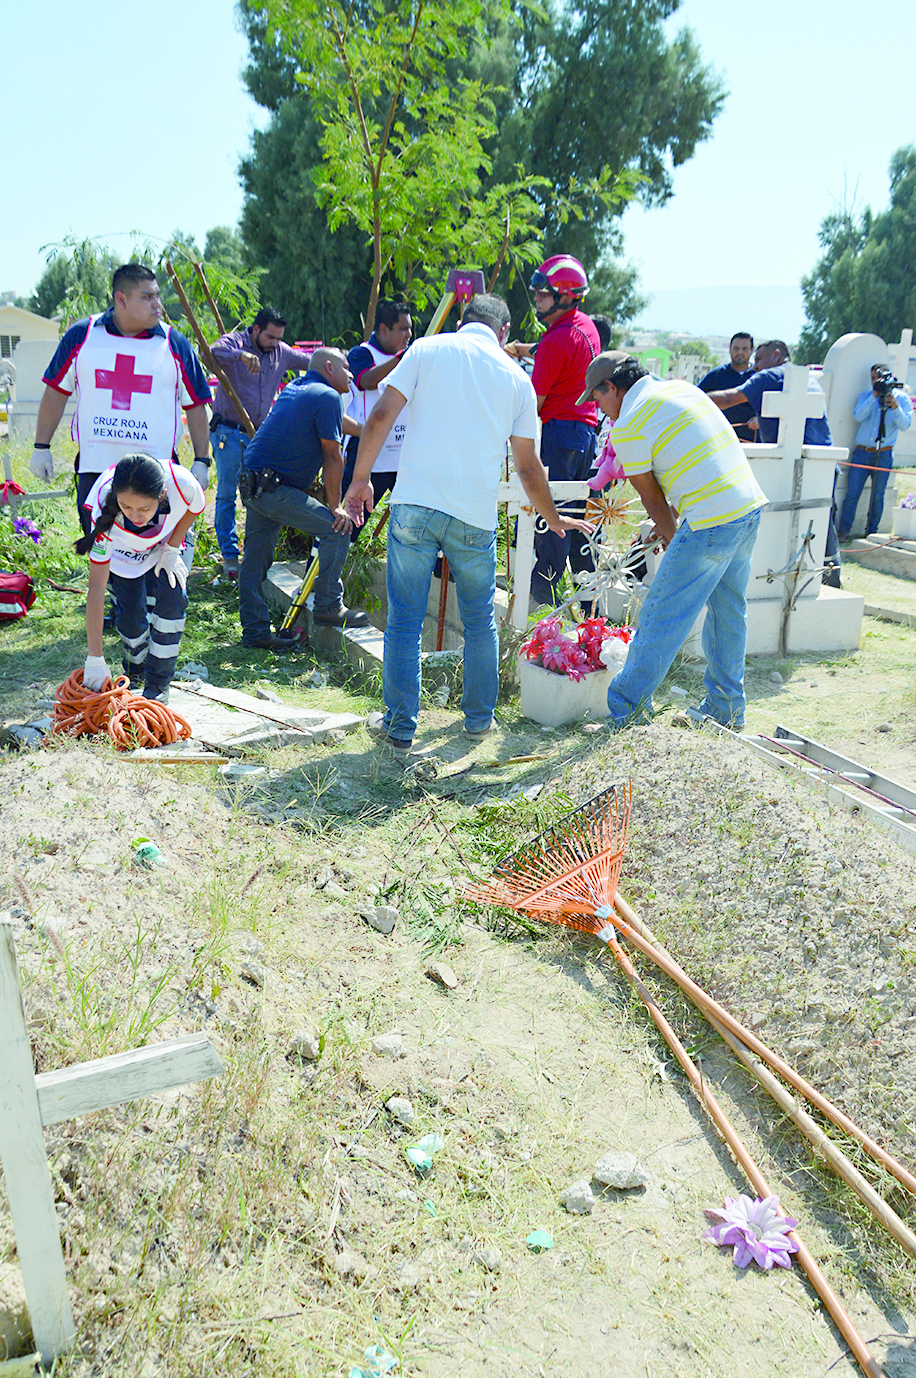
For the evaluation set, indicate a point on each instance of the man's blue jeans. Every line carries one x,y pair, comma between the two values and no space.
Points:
568,453
864,465
415,537
228,445
265,516
710,569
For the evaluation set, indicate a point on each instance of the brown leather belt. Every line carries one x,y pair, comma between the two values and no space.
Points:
875,449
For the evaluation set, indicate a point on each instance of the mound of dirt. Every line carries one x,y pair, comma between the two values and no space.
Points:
270,1222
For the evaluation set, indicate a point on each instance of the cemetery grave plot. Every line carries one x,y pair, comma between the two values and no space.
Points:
258,1225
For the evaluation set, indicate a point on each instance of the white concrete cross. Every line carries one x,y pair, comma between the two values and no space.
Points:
902,355
513,493
794,405
27,1102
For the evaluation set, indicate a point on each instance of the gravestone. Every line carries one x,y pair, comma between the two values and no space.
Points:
846,375
31,358
789,609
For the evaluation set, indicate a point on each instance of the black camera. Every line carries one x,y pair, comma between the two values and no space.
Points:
884,382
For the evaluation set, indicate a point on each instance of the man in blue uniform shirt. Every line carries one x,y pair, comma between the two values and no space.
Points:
769,376
732,375
301,435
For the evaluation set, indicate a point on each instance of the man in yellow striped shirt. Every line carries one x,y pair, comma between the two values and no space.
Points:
683,459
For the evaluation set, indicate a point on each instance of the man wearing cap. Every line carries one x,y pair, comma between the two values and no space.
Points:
684,461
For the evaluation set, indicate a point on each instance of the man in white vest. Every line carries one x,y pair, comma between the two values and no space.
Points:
131,376
370,364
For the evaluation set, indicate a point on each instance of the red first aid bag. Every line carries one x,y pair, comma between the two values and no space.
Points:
17,594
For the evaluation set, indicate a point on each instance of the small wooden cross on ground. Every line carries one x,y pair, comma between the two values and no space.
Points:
15,499
27,1102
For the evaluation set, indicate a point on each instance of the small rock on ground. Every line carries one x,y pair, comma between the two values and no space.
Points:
578,1199
620,1170
387,1045
442,972
401,1109
305,1044
381,917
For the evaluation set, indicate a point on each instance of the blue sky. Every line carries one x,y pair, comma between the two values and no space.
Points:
119,120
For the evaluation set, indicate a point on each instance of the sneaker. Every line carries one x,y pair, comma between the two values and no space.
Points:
161,697
483,732
280,642
347,617
375,726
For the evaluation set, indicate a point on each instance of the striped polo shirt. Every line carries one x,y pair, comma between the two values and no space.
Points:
672,430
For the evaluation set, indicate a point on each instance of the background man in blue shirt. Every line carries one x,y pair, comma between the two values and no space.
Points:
302,434
769,376
732,375
882,411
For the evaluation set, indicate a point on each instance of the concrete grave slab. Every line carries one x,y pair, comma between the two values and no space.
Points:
230,721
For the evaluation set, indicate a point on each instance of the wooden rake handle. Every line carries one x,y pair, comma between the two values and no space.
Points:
633,930
756,1178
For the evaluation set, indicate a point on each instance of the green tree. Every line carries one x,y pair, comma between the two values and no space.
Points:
76,282
319,278
599,85
402,141
862,281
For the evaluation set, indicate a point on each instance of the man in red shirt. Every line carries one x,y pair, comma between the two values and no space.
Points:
564,352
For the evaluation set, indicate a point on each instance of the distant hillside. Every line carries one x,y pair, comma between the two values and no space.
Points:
765,311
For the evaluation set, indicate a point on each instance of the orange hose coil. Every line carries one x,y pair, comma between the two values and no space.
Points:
129,719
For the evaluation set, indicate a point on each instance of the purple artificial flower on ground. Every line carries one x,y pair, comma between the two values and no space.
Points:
756,1229
23,527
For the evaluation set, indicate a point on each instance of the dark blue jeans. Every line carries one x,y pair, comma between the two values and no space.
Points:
568,452
150,617
265,516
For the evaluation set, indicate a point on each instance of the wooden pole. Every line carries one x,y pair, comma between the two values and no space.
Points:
198,268
205,350
629,924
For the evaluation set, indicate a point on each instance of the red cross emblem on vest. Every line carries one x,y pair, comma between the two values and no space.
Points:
123,381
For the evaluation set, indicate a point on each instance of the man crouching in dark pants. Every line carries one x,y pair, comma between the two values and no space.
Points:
301,435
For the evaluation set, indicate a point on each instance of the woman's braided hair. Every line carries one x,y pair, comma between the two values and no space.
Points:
143,475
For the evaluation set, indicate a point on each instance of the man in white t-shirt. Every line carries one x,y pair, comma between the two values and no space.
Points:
684,460
465,400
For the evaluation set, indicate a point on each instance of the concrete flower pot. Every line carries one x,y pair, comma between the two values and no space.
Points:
556,699
905,523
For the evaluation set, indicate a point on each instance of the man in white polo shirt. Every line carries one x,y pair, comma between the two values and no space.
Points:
465,400
683,459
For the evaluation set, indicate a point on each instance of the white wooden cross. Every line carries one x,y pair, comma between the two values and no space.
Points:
901,356
513,493
27,1102
16,498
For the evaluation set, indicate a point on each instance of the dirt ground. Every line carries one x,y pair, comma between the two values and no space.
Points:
269,1223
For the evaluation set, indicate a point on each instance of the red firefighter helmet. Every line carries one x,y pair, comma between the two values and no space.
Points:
561,273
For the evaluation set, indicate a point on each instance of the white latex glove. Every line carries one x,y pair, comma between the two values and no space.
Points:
95,672
201,472
172,566
42,465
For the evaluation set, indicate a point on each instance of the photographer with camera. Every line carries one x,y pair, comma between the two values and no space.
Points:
881,412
